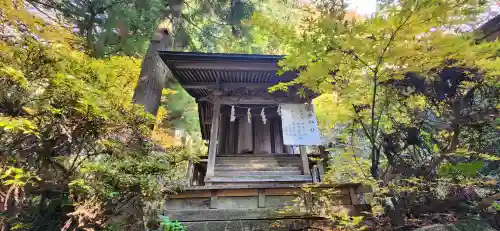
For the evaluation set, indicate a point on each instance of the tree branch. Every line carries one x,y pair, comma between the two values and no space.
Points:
103,9
354,155
189,21
351,53
365,130
386,104
391,39
374,128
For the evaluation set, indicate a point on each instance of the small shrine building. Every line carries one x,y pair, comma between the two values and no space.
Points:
257,157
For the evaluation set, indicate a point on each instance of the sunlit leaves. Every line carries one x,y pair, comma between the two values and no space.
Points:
16,20
79,184
331,110
412,81
16,76
461,169
17,177
398,39
11,124
489,157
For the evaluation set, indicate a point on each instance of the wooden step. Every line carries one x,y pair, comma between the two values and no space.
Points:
259,158
258,165
257,173
256,162
249,179
280,163
274,168
259,155
247,186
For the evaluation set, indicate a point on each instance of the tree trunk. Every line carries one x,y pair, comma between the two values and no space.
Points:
394,210
153,77
152,80
154,72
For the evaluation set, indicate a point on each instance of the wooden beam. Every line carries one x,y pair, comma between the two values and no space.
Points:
227,85
282,191
214,133
239,215
214,65
237,193
258,100
192,194
270,111
305,160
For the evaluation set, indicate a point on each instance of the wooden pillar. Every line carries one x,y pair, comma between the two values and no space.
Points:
305,160
213,199
245,136
214,133
354,196
189,173
321,169
303,154
262,198
315,175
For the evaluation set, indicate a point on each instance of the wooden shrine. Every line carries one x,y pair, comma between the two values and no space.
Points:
257,156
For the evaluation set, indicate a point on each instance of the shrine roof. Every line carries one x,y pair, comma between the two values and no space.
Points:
201,73
490,30
237,76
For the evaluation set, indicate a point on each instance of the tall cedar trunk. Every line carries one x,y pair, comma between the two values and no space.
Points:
152,80
154,72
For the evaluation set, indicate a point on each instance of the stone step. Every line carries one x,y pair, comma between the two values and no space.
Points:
274,168
244,179
257,173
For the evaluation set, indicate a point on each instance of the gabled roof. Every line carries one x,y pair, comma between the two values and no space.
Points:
236,75
201,73
491,29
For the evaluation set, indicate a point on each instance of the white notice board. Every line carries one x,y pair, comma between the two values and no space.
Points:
300,126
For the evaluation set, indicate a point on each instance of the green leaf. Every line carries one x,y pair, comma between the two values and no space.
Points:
15,75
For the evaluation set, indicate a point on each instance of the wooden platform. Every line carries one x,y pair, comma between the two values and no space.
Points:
254,206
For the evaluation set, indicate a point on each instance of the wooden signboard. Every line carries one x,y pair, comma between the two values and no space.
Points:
300,126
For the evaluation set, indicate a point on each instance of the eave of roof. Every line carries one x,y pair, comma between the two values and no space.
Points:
201,73
191,56
489,29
